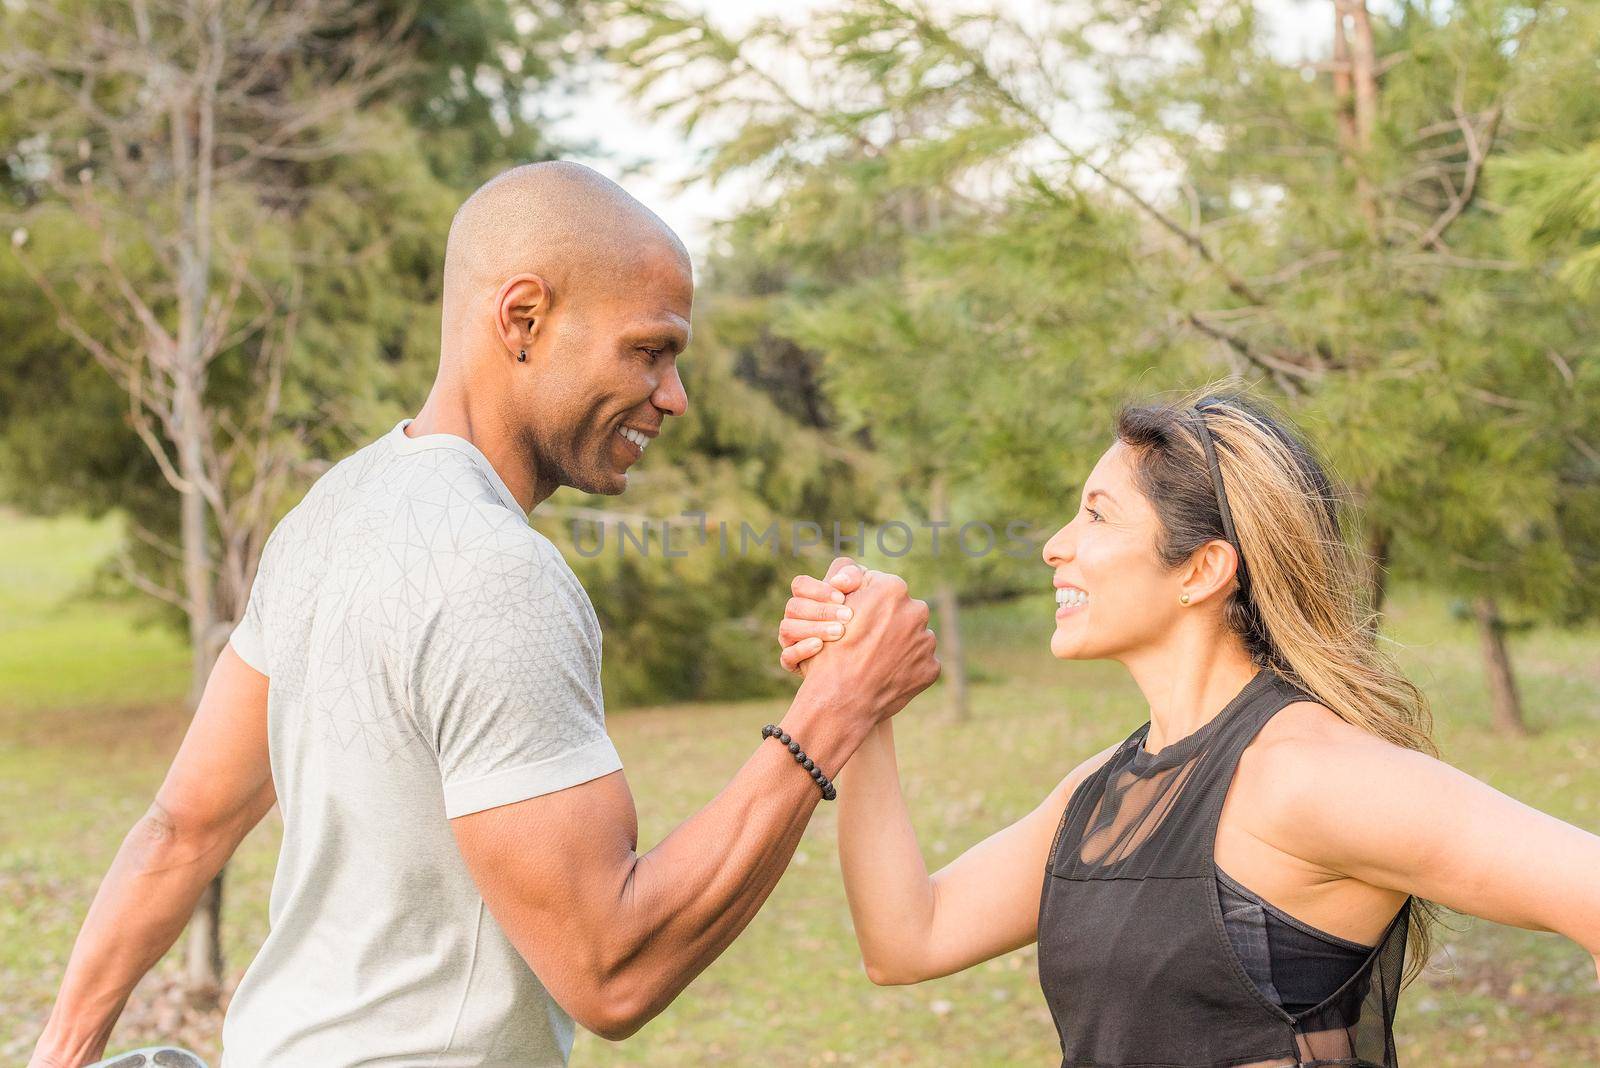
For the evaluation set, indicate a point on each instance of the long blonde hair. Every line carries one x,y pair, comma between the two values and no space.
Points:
1300,605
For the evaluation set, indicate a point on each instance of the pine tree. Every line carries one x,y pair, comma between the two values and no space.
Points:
1318,227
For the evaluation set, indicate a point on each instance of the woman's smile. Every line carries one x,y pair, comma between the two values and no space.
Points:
1070,599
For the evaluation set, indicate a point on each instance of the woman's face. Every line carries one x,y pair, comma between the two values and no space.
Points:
1113,596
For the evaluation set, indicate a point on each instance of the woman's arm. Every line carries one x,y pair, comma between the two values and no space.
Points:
1403,820
911,926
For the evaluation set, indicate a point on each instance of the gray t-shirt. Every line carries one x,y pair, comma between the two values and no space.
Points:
430,655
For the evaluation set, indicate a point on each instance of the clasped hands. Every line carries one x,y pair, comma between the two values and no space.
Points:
862,631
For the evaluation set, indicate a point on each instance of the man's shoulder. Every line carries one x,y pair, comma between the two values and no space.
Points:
500,563
337,494
430,526
509,596
427,500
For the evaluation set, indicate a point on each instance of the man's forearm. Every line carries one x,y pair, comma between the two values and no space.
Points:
690,897
138,912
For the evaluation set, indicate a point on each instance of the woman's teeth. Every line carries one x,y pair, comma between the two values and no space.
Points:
638,439
1071,597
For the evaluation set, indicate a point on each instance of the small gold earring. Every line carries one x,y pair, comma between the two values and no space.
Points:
1183,598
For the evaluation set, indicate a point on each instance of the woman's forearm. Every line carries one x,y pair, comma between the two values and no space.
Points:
140,909
885,878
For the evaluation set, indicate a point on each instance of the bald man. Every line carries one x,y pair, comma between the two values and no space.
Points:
416,683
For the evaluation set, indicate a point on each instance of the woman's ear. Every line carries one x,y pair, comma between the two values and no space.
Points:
1209,572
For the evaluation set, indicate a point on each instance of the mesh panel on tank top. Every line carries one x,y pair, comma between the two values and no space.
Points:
1134,957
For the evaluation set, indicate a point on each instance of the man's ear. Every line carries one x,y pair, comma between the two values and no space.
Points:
521,308
1209,571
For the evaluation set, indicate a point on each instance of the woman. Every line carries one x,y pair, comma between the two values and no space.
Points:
1235,884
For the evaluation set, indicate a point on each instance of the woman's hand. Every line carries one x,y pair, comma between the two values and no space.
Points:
816,613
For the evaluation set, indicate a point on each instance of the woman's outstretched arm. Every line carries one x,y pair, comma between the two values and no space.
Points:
1402,820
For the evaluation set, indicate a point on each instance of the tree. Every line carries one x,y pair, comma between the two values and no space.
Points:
1553,218
1377,277
863,171
1318,225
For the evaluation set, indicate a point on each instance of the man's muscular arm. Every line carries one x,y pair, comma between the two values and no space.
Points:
219,786
614,935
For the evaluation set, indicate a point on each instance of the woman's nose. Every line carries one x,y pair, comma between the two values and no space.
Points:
1058,550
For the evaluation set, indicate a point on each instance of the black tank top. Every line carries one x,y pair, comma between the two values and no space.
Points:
1134,957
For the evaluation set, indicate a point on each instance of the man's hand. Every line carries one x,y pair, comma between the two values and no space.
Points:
884,651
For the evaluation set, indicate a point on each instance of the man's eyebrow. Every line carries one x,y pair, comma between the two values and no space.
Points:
666,336
663,343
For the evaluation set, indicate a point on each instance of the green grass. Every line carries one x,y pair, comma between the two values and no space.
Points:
75,772
60,646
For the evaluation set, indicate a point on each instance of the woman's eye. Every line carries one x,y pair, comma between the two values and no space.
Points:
1094,516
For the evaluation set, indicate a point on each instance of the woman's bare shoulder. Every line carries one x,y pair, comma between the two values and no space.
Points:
1307,731
1306,759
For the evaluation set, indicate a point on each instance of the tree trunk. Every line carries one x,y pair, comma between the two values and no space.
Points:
1377,568
1363,72
1355,84
1342,84
1505,704
192,146
198,575
203,980
951,655
204,970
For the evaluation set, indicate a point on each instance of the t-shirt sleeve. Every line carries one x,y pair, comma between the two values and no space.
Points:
249,639
507,679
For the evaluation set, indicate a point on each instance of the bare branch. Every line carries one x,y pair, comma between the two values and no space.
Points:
154,540
1294,269
141,426
1448,259
148,586
1562,366
1500,400
1478,145
1284,371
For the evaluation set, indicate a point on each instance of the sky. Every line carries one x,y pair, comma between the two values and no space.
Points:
628,136
651,159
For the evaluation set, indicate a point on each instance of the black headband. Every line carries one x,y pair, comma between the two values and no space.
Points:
1204,433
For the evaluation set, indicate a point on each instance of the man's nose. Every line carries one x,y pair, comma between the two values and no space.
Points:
670,396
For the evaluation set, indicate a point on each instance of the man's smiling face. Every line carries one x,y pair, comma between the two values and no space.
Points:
610,373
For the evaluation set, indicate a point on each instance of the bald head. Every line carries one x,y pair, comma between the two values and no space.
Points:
566,304
568,224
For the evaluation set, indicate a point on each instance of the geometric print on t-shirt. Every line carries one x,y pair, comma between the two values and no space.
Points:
439,627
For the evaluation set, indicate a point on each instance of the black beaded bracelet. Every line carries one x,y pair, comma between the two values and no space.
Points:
824,783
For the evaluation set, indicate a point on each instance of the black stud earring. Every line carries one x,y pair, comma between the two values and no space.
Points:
522,357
